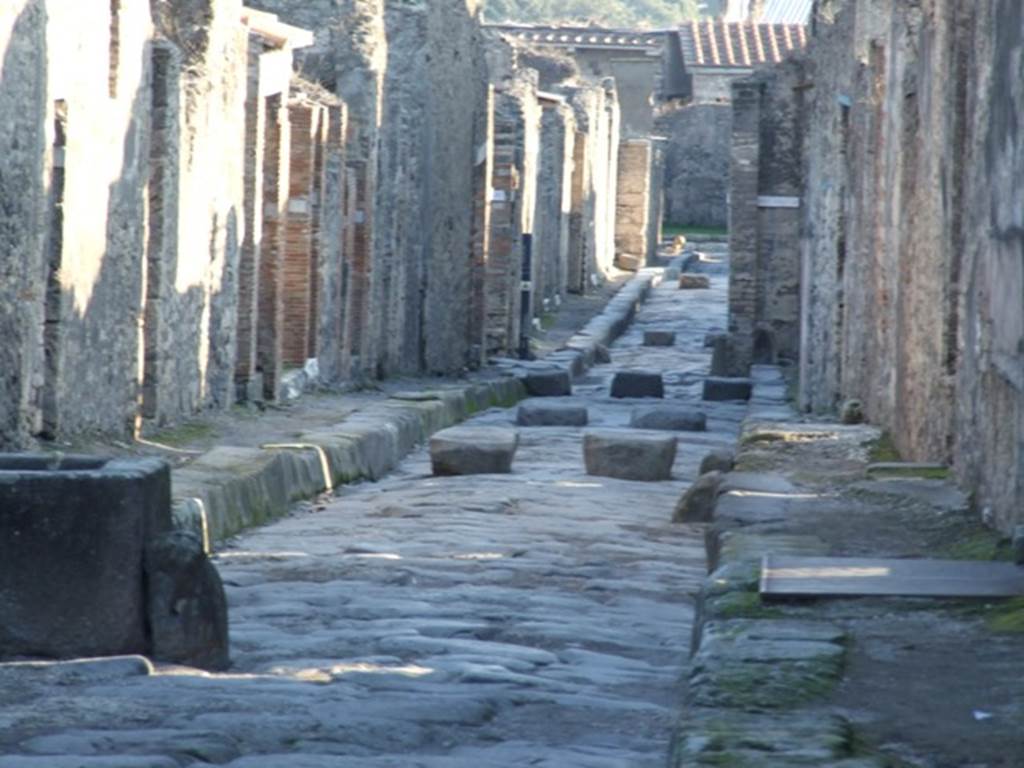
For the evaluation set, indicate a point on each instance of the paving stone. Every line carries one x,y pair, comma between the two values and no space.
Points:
629,455
473,451
690,282
637,384
697,505
553,383
542,415
185,605
668,417
722,389
659,338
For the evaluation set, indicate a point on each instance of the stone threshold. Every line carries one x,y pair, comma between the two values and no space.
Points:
229,489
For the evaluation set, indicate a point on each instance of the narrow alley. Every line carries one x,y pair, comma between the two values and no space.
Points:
538,618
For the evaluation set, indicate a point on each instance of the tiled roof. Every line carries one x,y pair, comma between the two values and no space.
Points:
742,44
786,12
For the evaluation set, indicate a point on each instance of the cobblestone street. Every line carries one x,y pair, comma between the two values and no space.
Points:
538,618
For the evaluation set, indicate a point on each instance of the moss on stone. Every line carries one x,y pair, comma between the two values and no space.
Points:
1007,618
184,434
742,605
982,544
883,450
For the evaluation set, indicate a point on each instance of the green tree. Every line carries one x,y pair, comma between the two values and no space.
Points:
618,13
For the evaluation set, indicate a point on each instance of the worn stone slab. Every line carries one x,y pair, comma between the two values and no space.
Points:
667,417
629,455
659,338
557,415
638,384
697,505
787,576
714,737
553,383
690,282
766,664
473,451
723,389
72,535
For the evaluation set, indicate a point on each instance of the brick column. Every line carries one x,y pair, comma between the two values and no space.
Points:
248,267
275,194
298,270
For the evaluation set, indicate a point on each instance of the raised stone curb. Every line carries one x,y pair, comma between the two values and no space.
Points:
756,672
230,489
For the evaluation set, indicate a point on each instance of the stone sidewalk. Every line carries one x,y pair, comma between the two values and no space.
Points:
868,682
538,618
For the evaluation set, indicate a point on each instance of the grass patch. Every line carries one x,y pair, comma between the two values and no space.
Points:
184,434
1007,618
932,473
883,450
982,544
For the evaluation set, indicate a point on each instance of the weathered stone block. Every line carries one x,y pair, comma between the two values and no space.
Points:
538,415
637,384
720,460
851,412
697,505
473,451
718,389
72,534
629,455
670,418
186,605
690,282
659,338
553,383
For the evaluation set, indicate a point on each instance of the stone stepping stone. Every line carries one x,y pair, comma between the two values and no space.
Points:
540,415
637,384
691,282
473,451
668,417
553,383
721,389
659,338
629,455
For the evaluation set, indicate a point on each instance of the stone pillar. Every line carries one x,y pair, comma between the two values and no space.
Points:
633,212
743,222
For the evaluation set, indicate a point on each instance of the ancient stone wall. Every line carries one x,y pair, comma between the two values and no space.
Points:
73,106
912,258
697,165
25,156
196,109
